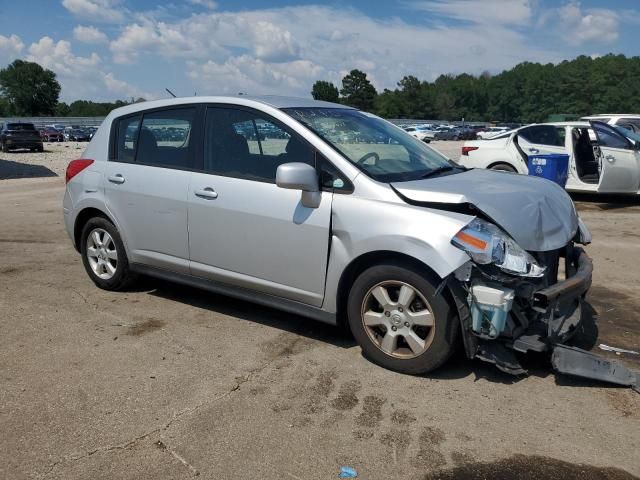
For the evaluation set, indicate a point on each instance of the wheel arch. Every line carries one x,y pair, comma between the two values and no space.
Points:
82,218
502,162
378,257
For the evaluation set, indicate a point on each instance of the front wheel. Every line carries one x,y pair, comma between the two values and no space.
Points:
399,321
103,255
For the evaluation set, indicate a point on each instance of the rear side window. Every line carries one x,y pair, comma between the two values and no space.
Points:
244,144
127,137
543,135
164,138
159,138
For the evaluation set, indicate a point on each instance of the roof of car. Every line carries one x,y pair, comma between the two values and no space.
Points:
275,101
613,115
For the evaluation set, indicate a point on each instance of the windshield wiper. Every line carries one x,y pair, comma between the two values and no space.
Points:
444,168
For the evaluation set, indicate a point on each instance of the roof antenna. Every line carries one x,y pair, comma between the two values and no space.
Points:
170,93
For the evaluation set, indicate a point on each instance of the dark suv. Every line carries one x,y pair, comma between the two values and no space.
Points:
20,135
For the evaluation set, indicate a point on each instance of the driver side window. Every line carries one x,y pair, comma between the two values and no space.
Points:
245,144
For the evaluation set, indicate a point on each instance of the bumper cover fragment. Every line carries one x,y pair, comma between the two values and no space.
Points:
580,363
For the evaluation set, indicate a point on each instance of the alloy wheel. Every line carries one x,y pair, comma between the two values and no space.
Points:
398,319
102,253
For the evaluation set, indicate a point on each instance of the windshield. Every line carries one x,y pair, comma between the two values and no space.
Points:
380,149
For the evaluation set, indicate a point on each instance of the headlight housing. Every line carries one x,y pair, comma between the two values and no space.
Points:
486,243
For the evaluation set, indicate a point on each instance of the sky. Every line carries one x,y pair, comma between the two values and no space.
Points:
104,50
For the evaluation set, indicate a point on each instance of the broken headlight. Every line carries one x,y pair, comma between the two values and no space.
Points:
485,243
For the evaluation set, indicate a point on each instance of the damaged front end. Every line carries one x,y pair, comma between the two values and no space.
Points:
510,300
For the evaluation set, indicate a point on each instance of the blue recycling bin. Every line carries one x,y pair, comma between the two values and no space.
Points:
554,167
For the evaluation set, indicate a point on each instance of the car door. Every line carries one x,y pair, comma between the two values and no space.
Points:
243,229
620,162
147,185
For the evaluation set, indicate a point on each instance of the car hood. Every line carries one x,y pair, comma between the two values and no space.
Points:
537,213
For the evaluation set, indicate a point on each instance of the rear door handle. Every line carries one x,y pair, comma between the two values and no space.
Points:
207,193
117,178
610,158
534,150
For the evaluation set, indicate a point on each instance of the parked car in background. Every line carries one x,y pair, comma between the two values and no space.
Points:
391,239
16,135
446,133
602,158
466,133
49,134
77,135
421,133
491,131
626,120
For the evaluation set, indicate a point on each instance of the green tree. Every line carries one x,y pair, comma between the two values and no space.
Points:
29,89
323,90
62,109
357,90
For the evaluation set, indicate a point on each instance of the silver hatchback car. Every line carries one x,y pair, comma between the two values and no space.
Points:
332,213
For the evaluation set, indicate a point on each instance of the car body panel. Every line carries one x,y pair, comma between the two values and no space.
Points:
540,215
257,235
152,206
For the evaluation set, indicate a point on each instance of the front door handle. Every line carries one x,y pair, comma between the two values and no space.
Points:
117,178
534,150
610,158
207,193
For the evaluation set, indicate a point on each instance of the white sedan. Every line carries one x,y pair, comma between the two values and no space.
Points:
421,133
602,158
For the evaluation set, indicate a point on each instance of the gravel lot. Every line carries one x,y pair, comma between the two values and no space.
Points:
165,381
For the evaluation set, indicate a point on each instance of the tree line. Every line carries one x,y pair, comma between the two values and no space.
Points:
28,90
529,92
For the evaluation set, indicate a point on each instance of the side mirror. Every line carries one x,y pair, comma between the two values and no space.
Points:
300,176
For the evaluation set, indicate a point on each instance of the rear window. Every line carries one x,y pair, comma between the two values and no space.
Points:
20,126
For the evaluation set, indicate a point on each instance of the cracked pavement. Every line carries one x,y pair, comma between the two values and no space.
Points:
165,381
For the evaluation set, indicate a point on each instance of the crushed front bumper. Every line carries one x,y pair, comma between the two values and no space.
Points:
567,290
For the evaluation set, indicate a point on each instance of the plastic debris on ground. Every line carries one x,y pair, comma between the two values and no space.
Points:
617,350
348,472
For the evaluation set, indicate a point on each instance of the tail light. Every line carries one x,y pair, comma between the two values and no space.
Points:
466,150
75,167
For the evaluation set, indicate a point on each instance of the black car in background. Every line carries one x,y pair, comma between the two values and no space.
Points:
15,135
77,135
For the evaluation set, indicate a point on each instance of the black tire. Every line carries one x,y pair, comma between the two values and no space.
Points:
40,148
5,149
445,324
122,276
503,167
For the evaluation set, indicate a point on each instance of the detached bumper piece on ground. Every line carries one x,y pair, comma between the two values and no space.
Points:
541,319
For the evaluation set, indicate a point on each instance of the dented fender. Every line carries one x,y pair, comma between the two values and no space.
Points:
422,233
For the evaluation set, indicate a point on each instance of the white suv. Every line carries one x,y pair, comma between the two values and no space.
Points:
625,120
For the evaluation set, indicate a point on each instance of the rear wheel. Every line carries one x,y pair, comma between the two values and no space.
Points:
399,321
103,255
503,167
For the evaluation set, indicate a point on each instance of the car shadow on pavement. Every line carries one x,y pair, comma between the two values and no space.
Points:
457,367
229,306
10,169
599,201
